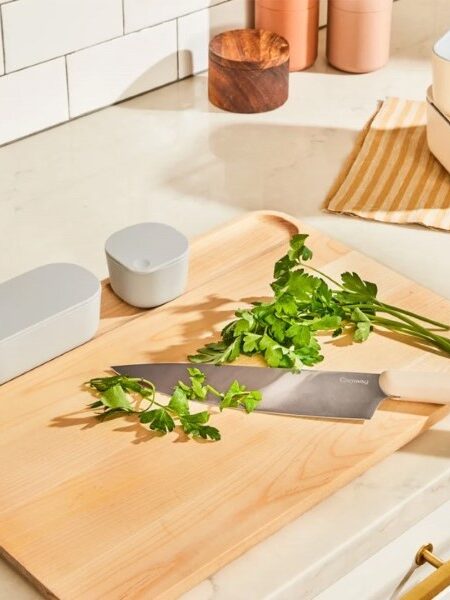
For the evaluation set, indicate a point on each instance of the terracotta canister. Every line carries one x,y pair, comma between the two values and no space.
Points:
441,74
358,34
295,20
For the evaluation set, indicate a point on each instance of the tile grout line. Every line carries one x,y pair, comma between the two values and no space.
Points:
3,40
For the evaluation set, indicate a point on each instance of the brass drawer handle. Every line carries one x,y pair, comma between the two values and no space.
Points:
436,582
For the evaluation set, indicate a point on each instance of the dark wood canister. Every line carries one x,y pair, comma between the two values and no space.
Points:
248,70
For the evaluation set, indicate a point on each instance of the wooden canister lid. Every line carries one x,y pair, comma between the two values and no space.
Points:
249,49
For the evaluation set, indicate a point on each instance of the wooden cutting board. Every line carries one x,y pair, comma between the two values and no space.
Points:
112,510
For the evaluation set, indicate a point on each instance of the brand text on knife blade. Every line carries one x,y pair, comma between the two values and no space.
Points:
347,380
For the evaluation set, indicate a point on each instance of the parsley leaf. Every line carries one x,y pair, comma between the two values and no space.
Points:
159,419
353,283
116,394
115,397
179,401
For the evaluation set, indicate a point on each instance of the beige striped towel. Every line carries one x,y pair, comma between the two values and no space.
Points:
391,175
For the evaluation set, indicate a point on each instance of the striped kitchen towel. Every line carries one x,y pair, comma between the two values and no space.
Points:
391,175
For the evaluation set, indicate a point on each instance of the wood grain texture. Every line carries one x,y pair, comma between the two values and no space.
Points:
248,71
114,511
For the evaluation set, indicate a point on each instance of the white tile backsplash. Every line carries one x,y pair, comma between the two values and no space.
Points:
33,99
121,68
38,30
65,58
143,13
195,31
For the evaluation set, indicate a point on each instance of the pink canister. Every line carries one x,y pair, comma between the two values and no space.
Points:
295,20
358,34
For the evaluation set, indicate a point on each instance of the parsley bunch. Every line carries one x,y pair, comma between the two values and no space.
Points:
284,330
122,396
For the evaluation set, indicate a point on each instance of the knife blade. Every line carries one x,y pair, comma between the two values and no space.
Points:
308,393
328,394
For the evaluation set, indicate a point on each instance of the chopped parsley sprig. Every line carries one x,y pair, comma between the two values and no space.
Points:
120,396
308,302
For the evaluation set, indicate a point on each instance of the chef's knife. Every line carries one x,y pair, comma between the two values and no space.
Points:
332,394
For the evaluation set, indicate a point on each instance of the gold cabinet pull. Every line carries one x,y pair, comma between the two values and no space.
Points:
432,585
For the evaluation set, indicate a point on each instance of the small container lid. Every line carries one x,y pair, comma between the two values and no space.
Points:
288,5
42,293
442,47
361,6
249,49
146,247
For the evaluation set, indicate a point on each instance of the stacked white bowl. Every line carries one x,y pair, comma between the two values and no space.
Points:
438,97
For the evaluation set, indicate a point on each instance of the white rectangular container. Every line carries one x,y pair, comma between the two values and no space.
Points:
441,74
44,313
438,132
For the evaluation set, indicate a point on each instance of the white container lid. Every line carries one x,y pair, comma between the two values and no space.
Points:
442,47
35,296
147,247
430,100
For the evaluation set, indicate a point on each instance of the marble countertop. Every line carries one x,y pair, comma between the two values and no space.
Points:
170,156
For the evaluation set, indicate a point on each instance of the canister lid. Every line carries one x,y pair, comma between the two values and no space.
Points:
288,5
442,47
361,6
249,49
146,247
42,293
430,100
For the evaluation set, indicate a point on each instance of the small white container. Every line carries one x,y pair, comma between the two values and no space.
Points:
441,74
147,263
44,313
438,132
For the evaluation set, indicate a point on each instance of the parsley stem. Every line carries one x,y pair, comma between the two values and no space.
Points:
400,314
323,275
436,340
415,326
390,323
419,317
213,390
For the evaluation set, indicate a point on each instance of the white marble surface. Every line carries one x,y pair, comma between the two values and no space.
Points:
394,564
170,156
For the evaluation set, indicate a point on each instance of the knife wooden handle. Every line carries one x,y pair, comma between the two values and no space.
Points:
417,387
